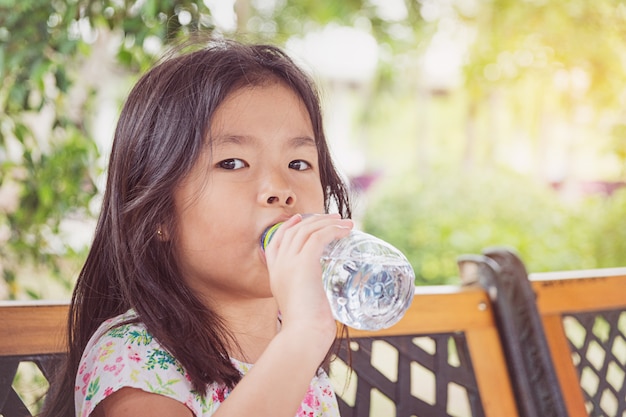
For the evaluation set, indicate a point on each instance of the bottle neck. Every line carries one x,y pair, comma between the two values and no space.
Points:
267,235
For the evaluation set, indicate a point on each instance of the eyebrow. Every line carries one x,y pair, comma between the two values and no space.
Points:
226,139
303,141
296,142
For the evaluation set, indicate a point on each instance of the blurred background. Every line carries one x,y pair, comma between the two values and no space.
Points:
460,124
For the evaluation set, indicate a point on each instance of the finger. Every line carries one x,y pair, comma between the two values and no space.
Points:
314,232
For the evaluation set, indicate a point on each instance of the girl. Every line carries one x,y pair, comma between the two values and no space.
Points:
177,299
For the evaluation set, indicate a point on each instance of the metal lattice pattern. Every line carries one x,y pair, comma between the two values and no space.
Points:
404,376
19,403
598,343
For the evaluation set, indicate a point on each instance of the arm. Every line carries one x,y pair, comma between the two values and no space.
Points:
133,402
285,369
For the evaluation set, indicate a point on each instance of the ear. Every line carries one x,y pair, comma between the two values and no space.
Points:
162,234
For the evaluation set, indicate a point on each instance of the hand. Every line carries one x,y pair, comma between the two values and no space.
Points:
293,261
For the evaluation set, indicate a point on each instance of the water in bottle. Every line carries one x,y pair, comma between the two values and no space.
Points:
370,284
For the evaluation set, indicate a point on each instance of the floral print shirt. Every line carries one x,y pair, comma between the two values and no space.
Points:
126,355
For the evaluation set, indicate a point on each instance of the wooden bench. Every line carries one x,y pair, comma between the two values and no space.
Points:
446,361
562,337
500,345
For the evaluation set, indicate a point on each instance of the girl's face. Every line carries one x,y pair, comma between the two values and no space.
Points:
261,167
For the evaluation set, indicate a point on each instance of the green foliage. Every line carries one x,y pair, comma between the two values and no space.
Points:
608,237
296,17
32,386
47,154
557,35
435,220
44,42
42,46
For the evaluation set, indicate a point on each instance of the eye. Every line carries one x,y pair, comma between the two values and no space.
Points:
299,165
232,163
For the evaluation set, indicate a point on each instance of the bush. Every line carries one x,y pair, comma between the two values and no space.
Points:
438,218
608,237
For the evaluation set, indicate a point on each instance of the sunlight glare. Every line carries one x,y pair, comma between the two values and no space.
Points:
223,13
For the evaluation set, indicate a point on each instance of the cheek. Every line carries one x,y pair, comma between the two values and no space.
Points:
204,253
313,196
206,239
194,233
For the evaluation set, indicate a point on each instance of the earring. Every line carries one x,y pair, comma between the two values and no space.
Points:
159,232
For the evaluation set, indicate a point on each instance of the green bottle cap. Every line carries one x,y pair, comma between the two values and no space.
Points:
266,237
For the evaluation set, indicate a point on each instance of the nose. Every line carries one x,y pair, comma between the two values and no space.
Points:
276,191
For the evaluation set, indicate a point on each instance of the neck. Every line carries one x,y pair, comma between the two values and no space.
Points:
253,323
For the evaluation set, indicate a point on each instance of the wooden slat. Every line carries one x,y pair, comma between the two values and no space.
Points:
491,373
579,291
440,309
562,360
436,309
32,328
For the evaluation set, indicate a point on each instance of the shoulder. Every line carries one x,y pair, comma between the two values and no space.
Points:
126,341
123,354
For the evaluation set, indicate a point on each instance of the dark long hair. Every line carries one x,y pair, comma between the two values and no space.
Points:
162,129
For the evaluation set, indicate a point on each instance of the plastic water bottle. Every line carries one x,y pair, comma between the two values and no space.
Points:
370,284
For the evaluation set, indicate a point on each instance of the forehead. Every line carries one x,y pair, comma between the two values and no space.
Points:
266,88
261,110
